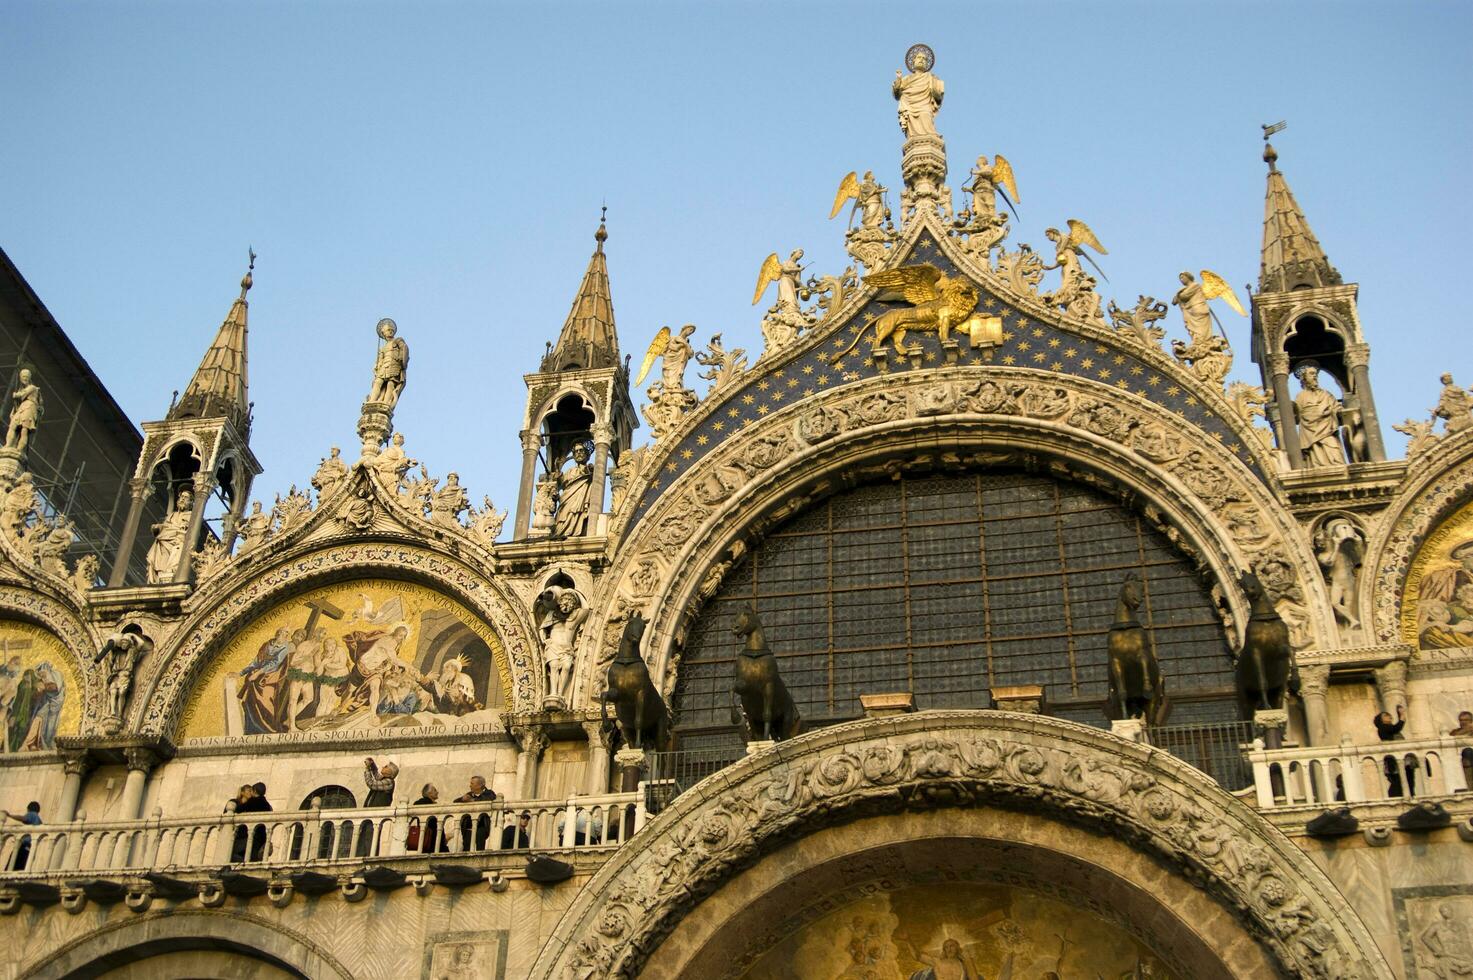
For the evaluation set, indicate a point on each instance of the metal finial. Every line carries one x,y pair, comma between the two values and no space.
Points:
246,282
602,235
1272,128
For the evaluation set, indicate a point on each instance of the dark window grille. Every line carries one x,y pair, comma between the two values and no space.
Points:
949,586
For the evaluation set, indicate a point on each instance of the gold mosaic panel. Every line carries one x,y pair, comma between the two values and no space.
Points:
366,654
959,930
1437,604
40,696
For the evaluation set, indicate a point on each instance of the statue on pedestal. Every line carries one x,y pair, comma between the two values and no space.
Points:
25,414
867,243
669,398
574,494
918,95
169,535
1454,407
560,614
449,502
390,368
330,475
118,657
1318,413
1208,354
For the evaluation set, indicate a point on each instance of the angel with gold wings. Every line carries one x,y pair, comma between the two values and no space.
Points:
938,302
868,197
987,181
674,352
1210,356
788,276
1192,297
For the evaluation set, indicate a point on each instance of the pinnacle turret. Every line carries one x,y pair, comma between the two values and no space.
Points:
219,385
1292,257
588,338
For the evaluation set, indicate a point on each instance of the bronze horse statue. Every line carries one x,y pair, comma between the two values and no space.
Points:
638,708
758,693
1136,688
1265,666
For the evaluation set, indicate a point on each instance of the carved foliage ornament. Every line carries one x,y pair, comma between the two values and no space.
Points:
1144,796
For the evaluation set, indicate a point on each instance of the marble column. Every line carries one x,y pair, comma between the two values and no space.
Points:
1314,684
531,743
140,763
603,434
1391,685
598,758
531,443
1358,359
138,490
76,767
1278,365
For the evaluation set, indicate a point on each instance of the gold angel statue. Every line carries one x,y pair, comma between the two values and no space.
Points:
1193,297
987,181
1069,247
674,351
868,197
788,276
939,302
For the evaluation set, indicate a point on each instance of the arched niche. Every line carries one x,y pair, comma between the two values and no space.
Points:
1197,874
160,944
358,654
1437,601
949,584
41,694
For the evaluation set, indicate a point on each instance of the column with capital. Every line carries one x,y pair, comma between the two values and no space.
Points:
598,758
603,435
1314,683
204,485
76,766
531,443
1358,359
1391,685
1287,426
138,491
531,743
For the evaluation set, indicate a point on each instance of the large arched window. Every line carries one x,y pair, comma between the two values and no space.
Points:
948,586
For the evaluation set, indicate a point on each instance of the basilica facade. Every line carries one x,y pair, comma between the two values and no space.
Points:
977,626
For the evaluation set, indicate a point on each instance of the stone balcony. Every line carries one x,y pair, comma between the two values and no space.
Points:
277,854
1292,785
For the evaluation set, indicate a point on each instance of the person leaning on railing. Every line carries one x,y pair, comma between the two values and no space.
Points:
1390,731
478,793
427,838
32,818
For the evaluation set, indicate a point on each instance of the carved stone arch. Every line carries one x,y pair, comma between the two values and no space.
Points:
1222,512
208,626
1436,485
547,402
81,640
161,452
248,936
1192,832
1212,399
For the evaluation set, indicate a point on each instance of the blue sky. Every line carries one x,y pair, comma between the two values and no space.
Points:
444,165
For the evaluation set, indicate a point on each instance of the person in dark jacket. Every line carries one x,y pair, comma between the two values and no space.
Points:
519,835
479,792
430,838
1390,731
257,804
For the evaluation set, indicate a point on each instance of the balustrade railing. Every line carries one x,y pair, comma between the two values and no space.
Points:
309,838
1328,775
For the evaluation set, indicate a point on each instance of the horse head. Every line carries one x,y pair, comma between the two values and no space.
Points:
629,642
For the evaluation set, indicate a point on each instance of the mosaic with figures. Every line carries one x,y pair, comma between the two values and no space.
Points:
357,655
39,694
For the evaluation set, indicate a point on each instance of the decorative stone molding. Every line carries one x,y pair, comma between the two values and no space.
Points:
1057,769
160,696
1211,506
1436,484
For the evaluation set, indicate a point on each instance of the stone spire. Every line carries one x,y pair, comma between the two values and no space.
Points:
588,339
1292,257
218,388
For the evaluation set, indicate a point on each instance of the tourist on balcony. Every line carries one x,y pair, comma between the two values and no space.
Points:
242,835
1390,731
1465,724
257,803
32,818
380,783
478,793
519,836
429,839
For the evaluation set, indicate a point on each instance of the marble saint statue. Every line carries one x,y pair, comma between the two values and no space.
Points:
390,369
918,94
169,540
25,414
574,486
1318,413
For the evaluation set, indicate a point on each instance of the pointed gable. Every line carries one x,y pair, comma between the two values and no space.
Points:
588,339
219,385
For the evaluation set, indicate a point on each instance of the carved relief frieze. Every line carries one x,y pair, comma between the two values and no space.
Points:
1047,767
